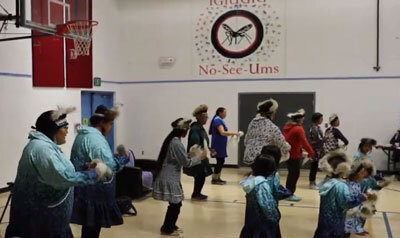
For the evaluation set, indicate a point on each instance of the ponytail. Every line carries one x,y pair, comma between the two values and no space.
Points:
219,110
164,148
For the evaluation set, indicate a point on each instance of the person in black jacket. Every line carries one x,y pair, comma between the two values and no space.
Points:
333,135
395,141
198,136
316,139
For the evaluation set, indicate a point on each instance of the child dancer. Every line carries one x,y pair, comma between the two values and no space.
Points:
365,148
279,191
295,135
355,220
333,135
374,182
167,186
262,213
355,224
336,196
317,143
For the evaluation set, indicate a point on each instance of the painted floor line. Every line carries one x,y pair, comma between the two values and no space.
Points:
281,204
387,224
392,189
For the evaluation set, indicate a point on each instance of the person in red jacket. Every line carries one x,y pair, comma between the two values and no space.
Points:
295,135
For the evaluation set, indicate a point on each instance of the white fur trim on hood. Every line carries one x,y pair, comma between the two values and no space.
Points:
343,169
365,163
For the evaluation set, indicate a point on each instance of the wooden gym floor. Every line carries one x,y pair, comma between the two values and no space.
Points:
222,216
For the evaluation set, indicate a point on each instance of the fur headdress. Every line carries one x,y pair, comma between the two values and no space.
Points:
181,123
50,121
336,163
59,115
200,109
333,117
268,106
103,113
297,115
61,111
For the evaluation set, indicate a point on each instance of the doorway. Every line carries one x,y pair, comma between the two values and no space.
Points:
288,102
89,102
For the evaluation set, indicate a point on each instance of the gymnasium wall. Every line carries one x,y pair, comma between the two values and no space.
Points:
331,41
21,104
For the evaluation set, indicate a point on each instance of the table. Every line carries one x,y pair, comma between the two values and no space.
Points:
391,165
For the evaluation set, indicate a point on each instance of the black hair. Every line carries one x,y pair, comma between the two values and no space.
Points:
264,165
273,151
176,132
264,110
266,115
106,116
315,117
46,125
219,111
366,141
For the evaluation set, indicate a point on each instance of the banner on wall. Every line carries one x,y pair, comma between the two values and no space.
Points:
238,38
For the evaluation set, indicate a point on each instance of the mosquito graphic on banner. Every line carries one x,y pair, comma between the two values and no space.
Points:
239,40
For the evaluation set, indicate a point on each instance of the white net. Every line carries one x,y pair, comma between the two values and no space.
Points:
82,31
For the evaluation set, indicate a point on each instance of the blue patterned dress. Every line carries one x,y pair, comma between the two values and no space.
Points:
278,190
336,199
354,222
371,181
95,205
43,192
262,212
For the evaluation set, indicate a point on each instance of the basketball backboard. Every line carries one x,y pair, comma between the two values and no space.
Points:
45,15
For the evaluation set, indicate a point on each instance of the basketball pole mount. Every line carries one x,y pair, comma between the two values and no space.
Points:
377,67
9,17
6,17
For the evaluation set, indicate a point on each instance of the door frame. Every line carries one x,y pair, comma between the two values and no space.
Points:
240,157
108,93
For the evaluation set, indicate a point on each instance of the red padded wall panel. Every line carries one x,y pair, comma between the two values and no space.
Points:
47,52
79,70
47,61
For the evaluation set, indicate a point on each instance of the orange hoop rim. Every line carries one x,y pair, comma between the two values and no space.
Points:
92,22
64,29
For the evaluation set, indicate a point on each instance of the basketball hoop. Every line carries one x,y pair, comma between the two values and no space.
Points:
81,32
